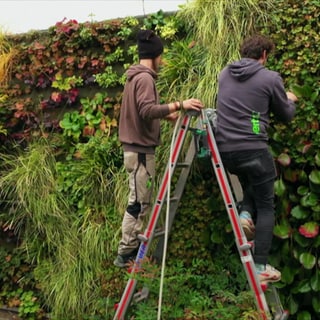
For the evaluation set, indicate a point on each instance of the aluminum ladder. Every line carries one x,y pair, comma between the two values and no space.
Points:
202,132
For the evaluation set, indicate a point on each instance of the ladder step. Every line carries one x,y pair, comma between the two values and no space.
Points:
157,233
246,246
174,199
183,164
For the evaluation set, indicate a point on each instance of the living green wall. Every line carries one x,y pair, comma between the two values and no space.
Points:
66,86
296,148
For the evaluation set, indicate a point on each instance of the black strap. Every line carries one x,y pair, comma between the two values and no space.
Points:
142,159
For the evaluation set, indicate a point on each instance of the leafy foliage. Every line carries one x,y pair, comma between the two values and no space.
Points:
218,27
295,32
54,68
190,293
7,53
62,198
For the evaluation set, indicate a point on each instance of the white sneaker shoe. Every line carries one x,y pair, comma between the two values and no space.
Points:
270,274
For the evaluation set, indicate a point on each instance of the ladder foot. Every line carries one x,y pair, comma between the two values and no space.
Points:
141,295
282,316
285,315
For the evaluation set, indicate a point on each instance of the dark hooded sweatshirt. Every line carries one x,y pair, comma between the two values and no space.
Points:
247,94
140,113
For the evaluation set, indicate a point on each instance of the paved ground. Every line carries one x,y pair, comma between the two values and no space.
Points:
8,314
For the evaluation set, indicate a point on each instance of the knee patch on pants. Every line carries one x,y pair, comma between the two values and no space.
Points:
134,209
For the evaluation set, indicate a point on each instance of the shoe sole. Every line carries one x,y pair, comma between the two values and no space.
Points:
119,265
265,282
125,264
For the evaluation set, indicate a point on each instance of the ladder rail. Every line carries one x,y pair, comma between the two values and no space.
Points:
241,241
161,198
154,216
176,196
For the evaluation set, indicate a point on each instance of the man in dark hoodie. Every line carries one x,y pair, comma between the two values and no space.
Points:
247,94
139,133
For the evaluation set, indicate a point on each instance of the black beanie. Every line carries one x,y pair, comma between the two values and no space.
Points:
149,44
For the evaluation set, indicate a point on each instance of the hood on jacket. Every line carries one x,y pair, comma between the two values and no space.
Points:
244,68
139,68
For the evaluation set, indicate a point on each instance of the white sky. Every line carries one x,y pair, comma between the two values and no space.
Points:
24,15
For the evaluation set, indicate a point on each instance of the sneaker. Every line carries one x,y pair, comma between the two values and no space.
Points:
124,260
270,274
247,225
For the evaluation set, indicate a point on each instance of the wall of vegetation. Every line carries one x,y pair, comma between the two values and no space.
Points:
63,187
296,33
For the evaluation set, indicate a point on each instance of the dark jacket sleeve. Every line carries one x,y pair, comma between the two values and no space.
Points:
282,107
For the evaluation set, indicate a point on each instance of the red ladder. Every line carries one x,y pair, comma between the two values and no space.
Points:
205,123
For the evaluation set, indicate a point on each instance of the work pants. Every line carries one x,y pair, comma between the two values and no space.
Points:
141,172
256,173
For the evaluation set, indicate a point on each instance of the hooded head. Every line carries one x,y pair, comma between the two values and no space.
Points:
149,45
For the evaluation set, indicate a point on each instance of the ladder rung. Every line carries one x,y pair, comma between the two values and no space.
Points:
246,246
174,199
183,164
157,233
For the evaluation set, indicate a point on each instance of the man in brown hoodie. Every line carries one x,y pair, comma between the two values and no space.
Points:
139,133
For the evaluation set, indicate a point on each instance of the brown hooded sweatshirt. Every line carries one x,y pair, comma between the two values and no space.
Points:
140,113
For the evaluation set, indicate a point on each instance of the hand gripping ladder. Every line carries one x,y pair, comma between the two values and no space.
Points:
206,122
